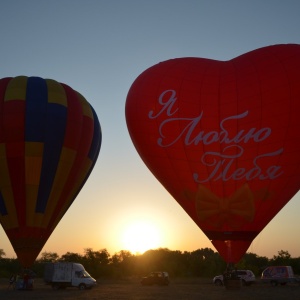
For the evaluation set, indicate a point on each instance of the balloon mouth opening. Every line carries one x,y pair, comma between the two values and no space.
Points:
232,250
27,249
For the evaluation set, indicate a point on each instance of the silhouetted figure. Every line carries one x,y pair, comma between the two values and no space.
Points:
12,281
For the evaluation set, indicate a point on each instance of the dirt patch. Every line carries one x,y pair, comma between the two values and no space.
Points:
181,289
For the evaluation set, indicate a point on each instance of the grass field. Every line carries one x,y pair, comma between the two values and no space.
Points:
181,289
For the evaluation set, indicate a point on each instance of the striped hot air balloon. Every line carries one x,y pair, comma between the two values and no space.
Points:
50,138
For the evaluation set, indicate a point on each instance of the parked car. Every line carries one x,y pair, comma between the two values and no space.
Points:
247,277
160,278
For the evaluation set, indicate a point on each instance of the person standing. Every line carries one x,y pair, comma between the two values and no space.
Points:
25,281
12,281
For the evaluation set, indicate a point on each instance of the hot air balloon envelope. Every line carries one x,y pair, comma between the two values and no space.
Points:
223,137
50,139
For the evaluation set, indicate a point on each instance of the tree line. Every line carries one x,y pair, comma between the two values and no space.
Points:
203,262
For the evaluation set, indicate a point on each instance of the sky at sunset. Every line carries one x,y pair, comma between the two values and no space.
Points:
99,48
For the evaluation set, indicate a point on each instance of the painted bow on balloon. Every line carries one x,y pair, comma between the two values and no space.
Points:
234,211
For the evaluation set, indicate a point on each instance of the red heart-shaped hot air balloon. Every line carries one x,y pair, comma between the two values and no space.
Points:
223,137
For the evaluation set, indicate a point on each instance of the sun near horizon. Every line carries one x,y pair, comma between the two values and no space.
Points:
140,236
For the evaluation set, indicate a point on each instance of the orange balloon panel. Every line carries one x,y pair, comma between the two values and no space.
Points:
50,139
223,137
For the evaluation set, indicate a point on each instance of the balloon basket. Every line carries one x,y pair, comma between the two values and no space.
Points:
232,284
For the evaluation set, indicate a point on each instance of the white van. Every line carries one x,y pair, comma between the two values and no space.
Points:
278,275
68,274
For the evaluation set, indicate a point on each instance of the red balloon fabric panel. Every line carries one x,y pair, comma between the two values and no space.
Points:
223,138
50,138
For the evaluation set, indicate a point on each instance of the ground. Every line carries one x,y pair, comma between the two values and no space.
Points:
181,289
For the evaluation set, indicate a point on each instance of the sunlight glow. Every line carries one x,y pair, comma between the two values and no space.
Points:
141,236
